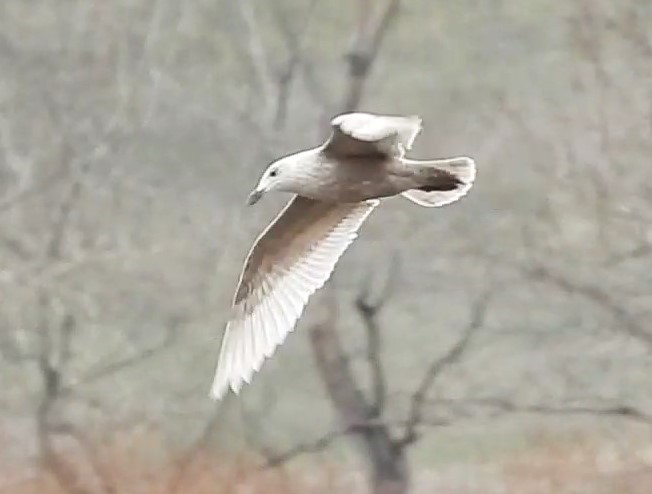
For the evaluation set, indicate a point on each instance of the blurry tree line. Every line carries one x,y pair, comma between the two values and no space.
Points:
131,131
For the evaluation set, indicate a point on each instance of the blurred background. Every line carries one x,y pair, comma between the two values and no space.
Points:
497,345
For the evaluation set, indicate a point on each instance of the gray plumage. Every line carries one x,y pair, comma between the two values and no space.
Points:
336,186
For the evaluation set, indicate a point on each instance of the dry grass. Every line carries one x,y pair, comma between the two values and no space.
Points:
125,465
582,464
206,475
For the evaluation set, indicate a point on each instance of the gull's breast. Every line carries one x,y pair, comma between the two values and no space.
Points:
350,180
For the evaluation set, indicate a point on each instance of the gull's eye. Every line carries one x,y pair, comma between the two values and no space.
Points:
273,173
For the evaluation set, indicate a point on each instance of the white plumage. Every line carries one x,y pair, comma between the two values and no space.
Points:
298,251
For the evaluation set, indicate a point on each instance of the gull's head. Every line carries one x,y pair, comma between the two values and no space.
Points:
281,175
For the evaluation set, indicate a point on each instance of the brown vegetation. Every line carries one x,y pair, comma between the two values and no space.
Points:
130,134
549,464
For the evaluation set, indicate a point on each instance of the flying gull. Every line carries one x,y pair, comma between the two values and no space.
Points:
336,186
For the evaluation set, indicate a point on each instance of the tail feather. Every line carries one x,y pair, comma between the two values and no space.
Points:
456,178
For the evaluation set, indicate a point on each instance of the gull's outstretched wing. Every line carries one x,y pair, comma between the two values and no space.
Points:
367,134
290,260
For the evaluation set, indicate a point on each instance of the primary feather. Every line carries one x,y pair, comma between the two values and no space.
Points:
336,187
292,259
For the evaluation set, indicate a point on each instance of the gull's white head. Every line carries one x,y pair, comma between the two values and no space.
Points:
282,175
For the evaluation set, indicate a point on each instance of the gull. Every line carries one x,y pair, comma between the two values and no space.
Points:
335,187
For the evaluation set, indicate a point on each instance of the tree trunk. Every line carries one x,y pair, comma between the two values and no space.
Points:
389,468
386,457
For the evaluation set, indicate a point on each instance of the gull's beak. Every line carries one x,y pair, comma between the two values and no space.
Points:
255,196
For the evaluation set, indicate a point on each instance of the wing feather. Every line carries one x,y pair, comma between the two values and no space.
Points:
290,260
368,134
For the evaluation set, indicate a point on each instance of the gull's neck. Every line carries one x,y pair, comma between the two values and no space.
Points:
303,168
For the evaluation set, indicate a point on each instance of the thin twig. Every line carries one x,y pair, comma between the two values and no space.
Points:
369,310
435,369
365,49
120,365
315,446
470,407
463,408
294,38
256,50
601,298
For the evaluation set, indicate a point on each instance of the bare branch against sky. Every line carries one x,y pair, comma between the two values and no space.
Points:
131,133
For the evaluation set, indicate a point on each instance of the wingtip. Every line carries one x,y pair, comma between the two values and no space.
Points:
277,302
220,389
216,394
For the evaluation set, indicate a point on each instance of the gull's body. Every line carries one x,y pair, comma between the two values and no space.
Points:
337,185
359,178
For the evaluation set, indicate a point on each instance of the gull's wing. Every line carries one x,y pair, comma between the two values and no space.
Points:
290,260
367,134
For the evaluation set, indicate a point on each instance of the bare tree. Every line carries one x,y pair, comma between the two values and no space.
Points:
363,412
53,356
129,132
385,438
365,416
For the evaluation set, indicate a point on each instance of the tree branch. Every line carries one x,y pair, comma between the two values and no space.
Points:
466,407
120,365
336,374
462,408
274,460
257,51
454,355
369,310
185,462
364,49
294,39
592,292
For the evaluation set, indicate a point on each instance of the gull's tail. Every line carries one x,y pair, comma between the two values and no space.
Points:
451,180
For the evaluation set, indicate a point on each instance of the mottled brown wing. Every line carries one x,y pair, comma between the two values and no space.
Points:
367,134
290,260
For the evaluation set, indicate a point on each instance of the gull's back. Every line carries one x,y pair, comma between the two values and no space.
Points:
362,158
